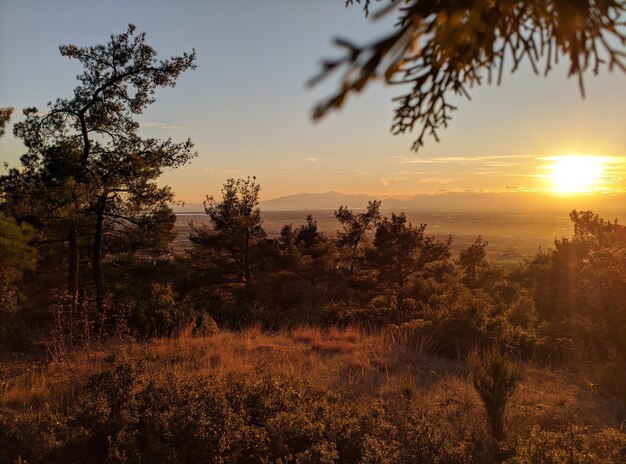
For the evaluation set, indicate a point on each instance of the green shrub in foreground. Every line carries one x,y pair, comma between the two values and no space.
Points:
122,416
575,445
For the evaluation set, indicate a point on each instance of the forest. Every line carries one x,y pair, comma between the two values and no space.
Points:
374,344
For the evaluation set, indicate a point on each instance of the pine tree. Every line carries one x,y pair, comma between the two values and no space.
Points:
87,174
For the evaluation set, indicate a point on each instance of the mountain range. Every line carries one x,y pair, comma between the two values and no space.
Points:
452,201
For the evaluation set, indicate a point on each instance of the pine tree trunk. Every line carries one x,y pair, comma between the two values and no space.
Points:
98,272
73,268
400,290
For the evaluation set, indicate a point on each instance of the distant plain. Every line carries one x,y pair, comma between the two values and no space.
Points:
512,236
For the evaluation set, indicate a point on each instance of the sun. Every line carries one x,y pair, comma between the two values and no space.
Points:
575,173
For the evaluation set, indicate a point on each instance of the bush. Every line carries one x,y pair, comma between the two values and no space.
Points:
574,445
122,417
205,326
429,440
495,380
155,311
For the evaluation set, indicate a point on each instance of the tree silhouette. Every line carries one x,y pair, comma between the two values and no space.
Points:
5,116
400,251
86,158
353,238
308,261
495,380
233,243
472,259
16,257
439,48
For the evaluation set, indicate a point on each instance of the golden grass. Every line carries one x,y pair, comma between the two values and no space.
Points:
360,365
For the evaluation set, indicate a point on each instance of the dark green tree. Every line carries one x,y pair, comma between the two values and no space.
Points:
400,252
472,259
5,116
87,148
16,257
579,287
306,270
352,239
495,380
234,243
440,48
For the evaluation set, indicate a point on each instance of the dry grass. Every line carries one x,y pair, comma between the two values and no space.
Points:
362,366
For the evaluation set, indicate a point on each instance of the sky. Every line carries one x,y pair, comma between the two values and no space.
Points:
247,107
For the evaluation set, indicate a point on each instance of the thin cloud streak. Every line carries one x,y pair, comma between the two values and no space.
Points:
503,160
160,125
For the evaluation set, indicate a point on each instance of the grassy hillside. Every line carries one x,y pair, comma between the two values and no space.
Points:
387,374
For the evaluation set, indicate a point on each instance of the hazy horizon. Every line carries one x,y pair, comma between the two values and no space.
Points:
611,205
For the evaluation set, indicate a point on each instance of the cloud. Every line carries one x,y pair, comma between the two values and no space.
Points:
384,181
160,125
500,160
441,180
610,179
351,172
411,173
311,159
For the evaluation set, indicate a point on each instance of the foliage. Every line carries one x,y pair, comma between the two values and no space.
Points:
352,238
304,274
443,48
17,256
127,414
88,179
5,116
579,289
574,445
472,259
495,379
120,418
234,249
157,311
400,252
430,440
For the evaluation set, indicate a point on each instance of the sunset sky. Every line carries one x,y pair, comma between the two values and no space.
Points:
247,108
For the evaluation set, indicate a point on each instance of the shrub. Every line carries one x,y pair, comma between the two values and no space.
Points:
429,440
574,445
495,380
205,325
156,311
122,417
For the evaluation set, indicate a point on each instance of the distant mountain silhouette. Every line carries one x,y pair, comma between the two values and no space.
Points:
308,201
514,201
468,201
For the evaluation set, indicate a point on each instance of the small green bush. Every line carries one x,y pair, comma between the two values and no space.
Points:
120,417
205,325
574,445
123,416
495,379
431,440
